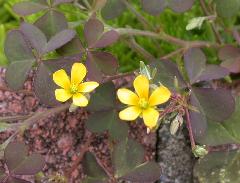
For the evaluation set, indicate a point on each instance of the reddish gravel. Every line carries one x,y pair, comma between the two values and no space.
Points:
60,137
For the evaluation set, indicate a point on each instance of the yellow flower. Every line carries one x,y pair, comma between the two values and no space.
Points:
140,104
74,88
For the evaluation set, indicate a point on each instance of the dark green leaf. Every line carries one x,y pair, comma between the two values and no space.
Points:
52,23
127,155
92,169
28,8
71,48
101,121
218,167
113,9
146,172
227,8
21,59
104,98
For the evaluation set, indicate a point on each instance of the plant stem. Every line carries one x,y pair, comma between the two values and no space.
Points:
114,77
170,55
224,147
131,42
189,126
213,26
165,37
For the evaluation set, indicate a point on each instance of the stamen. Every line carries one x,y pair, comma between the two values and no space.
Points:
143,103
73,88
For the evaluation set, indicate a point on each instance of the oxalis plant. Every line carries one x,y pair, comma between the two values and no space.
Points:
72,69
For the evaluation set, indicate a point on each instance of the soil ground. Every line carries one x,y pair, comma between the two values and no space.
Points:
60,137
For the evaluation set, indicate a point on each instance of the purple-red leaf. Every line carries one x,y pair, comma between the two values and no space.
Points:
217,104
18,161
230,56
59,40
106,39
36,37
93,29
213,72
28,8
113,9
180,6
197,118
57,2
105,61
195,63
146,172
16,180
52,23
153,7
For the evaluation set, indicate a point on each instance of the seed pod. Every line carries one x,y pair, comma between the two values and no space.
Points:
176,123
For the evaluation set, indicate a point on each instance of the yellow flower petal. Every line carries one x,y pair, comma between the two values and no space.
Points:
87,86
61,78
159,96
127,96
130,113
150,117
141,85
80,100
78,73
62,95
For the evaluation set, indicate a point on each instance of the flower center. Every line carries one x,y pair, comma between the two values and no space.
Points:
143,103
73,88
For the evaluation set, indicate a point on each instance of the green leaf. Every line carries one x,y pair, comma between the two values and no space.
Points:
227,8
101,121
195,23
127,155
4,126
20,57
218,167
93,170
104,98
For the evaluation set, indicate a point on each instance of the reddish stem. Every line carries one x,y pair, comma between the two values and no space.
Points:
189,126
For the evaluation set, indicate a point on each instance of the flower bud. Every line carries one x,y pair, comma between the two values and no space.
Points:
200,151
